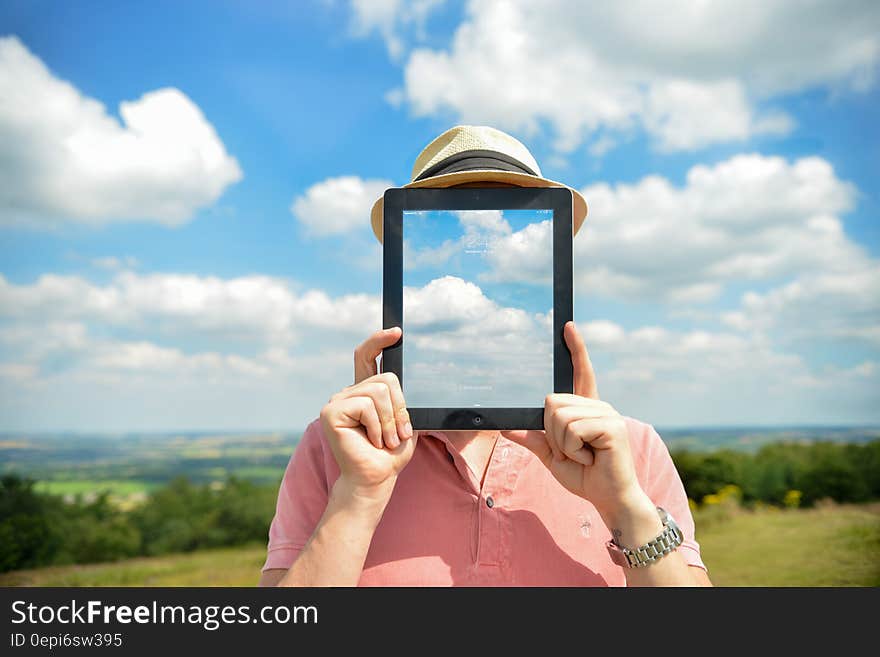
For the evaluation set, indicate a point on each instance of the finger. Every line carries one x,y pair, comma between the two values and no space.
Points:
549,409
588,407
380,394
398,403
534,441
369,350
574,446
601,432
362,411
564,413
560,416
584,376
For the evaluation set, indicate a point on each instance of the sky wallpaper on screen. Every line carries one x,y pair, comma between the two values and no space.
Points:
472,337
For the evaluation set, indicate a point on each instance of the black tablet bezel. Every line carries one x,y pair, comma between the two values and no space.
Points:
557,199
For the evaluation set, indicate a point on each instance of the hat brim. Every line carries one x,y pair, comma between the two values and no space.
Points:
579,209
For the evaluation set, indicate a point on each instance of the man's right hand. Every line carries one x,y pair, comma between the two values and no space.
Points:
369,432
368,427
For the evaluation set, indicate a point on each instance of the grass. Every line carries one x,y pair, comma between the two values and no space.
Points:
827,546
239,566
85,486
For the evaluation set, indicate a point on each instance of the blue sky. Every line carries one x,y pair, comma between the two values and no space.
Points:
210,265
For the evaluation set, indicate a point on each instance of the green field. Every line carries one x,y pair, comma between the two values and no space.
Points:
827,546
223,567
86,486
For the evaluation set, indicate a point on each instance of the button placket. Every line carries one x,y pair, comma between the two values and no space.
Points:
493,520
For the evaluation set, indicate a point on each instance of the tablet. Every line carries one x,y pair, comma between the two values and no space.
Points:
480,281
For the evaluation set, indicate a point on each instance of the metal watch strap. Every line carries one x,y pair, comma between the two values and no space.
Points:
668,540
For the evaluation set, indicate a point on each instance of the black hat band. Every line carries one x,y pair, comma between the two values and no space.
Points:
475,160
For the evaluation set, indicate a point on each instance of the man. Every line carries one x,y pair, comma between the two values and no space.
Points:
366,500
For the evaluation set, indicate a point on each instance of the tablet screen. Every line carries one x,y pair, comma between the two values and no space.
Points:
477,324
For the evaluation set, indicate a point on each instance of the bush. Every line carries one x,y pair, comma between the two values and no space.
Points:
840,472
28,525
182,517
39,529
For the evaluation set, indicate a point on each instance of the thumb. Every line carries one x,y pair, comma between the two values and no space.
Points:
534,441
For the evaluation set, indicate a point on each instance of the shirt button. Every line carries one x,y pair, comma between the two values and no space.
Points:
490,502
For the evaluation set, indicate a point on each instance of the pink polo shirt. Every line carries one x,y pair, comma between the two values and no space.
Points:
440,528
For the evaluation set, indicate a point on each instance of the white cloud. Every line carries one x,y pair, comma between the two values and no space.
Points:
338,205
748,219
695,378
167,332
465,347
751,220
429,256
689,74
480,230
390,18
844,305
455,303
114,263
136,353
167,351
64,158
684,115
259,310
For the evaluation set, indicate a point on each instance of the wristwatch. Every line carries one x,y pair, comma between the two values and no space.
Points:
669,539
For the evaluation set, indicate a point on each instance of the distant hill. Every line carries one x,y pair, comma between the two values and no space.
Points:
752,438
150,459
142,461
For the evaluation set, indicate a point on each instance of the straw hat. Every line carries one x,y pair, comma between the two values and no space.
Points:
476,153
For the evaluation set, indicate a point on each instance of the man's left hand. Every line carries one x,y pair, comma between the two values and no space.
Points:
585,443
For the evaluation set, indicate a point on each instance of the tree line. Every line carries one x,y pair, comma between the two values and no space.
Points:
38,529
843,472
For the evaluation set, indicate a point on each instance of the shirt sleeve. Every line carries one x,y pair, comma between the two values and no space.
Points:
302,498
661,482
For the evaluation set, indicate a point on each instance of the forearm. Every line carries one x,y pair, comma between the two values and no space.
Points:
337,549
635,523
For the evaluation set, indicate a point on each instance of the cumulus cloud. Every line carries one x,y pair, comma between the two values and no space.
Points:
685,115
466,348
479,231
390,18
713,378
843,305
141,352
689,75
259,310
114,263
64,158
149,331
159,351
756,221
747,219
338,205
